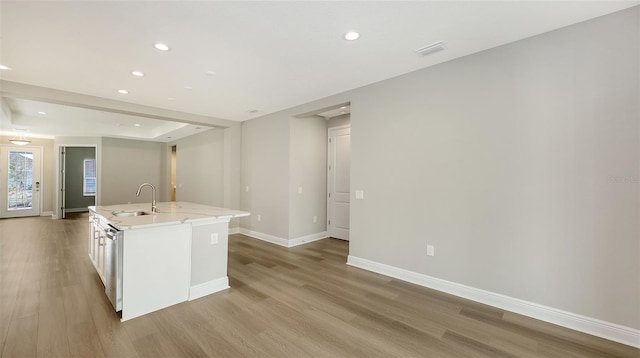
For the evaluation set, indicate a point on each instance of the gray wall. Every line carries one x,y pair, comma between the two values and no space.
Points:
232,170
265,171
281,152
339,121
506,161
74,177
125,165
520,164
200,168
308,170
208,168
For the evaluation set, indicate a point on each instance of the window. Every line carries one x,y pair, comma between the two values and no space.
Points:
89,182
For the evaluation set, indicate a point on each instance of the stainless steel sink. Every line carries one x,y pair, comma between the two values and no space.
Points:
130,213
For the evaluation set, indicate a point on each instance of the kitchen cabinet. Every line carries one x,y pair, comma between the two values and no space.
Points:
177,254
96,244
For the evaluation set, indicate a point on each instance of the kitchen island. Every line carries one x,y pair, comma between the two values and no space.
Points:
151,260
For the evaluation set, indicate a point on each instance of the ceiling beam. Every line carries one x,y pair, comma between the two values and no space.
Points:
49,95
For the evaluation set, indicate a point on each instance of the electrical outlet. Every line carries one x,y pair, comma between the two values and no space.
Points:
246,188
315,219
259,217
359,194
299,190
214,238
431,250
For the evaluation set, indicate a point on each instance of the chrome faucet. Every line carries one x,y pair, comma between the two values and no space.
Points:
154,208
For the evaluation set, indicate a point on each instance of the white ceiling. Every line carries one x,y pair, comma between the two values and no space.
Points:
46,119
267,56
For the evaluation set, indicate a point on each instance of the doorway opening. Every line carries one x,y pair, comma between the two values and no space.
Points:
78,179
172,189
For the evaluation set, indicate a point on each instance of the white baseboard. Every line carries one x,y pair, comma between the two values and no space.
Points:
47,213
307,239
611,331
234,230
283,242
76,210
208,288
265,237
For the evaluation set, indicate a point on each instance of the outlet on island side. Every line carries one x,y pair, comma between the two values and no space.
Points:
259,217
315,219
431,250
214,238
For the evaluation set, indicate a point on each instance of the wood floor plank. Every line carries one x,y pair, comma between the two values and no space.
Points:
242,332
22,337
155,334
52,327
474,348
81,332
204,332
283,302
114,340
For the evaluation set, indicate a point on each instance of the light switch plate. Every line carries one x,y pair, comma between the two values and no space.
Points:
359,194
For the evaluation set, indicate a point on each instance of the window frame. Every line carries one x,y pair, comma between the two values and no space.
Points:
85,177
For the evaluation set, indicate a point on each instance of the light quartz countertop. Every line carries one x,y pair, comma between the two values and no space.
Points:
169,213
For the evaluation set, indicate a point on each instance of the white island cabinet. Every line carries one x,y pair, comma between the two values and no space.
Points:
159,259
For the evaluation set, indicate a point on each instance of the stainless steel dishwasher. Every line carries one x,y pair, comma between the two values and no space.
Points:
113,266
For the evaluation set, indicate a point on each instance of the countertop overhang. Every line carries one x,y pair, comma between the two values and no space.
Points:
169,213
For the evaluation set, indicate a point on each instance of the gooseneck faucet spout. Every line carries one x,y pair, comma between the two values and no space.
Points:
154,209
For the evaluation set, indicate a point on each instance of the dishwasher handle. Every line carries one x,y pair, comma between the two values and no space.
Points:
111,233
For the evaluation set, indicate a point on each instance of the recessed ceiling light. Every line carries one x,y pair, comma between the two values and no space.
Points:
42,113
210,73
3,67
168,137
188,87
123,91
137,124
343,107
160,46
171,99
137,73
351,35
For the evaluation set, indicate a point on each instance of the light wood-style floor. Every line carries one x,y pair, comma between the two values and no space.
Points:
299,302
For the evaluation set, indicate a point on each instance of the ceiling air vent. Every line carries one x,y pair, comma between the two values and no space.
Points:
427,50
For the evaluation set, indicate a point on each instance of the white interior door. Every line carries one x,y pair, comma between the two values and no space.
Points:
20,181
338,182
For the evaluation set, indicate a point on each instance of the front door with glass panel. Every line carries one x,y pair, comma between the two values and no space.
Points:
20,181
